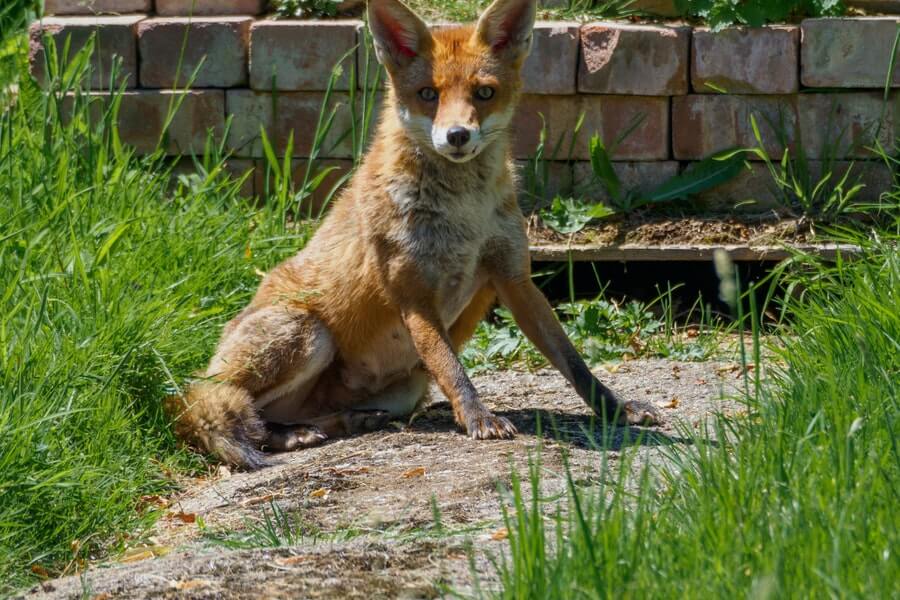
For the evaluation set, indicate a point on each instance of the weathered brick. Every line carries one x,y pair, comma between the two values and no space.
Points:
209,7
218,43
300,55
754,190
610,116
644,60
759,60
839,125
281,115
705,124
551,67
142,116
637,177
876,176
542,181
845,125
96,7
115,40
313,204
237,168
848,53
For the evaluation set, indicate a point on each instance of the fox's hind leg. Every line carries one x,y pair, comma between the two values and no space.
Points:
337,411
266,363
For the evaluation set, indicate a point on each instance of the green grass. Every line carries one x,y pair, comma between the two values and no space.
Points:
273,527
756,13
115,284
798,497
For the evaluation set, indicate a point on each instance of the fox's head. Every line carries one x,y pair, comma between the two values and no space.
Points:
456,87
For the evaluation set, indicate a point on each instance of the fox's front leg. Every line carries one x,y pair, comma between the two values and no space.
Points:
535,317
433,345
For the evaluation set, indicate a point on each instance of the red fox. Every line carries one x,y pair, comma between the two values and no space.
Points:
348,333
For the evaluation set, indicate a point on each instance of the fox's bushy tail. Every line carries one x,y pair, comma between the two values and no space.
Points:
220,419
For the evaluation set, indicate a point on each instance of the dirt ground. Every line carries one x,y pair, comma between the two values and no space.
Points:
367,505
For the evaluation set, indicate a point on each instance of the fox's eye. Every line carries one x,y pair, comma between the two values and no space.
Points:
484,92
428,94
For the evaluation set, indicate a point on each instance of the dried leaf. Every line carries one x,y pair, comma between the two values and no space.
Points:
500,534
415,472
291,560
139,553
692,332
102,596
190,584
636,344
673,403
135,555
40,571
729,368
183,517
151,500
322,492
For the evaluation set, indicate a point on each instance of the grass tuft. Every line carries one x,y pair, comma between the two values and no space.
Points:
115,283
796,498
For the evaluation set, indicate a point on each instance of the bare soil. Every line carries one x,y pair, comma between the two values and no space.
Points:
642,228
368,504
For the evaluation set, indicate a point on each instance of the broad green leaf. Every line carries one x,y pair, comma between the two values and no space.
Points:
700,177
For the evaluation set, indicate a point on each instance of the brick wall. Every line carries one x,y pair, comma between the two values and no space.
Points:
686,92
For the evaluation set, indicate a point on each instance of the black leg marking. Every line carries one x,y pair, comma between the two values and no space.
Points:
283,438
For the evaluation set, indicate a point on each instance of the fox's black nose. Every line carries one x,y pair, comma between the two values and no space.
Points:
458,136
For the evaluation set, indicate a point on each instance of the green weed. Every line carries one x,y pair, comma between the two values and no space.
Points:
274,529
307,9
794,499
571,215
602,330
754,13
116,282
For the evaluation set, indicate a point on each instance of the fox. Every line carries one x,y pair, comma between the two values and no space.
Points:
349,333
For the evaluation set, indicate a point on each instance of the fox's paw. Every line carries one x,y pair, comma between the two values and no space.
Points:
639,413
361,421
294,438
482,425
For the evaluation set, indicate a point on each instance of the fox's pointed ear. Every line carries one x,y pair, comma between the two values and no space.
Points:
399,34
506,26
